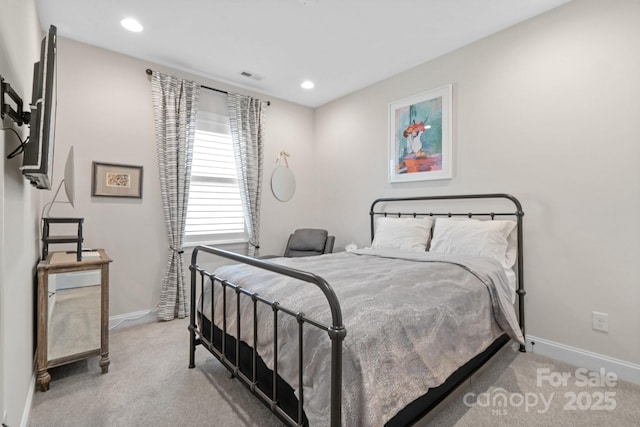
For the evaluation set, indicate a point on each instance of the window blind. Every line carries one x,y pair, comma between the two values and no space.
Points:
214,212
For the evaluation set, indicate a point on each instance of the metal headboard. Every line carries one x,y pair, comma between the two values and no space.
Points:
518,214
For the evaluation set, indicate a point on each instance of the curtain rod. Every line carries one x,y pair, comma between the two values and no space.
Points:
149,72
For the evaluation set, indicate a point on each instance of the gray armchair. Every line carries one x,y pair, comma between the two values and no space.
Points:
309,242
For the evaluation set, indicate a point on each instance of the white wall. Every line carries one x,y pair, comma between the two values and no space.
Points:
19,219
548,111
105,112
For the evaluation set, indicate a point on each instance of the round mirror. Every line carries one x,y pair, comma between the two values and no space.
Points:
283,183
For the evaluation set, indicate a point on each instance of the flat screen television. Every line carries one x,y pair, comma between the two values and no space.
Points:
37,161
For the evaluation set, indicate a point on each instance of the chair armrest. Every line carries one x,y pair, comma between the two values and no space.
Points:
328,247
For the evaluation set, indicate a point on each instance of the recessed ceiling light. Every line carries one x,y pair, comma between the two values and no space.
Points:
132,25
307,84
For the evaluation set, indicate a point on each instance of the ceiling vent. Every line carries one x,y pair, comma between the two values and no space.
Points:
251,75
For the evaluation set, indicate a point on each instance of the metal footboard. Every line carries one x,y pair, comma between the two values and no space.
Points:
336,330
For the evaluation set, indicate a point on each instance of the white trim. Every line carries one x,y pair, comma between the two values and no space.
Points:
26,412
137,316
626,371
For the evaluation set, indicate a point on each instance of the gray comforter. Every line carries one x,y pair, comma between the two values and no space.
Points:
412,319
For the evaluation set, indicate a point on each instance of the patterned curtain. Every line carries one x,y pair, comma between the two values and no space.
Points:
247,119
175,104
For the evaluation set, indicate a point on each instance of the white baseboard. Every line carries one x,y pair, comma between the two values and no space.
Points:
624,370
135,318
26,412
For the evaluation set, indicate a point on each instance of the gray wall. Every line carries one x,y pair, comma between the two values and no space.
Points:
548,111
20,206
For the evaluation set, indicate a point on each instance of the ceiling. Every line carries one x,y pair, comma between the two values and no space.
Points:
341,45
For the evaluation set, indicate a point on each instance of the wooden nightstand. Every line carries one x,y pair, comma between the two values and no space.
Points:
73,317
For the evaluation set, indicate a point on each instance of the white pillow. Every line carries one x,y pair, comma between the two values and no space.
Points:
411,234
490,238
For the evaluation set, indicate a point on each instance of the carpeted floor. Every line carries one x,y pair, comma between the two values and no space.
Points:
149,384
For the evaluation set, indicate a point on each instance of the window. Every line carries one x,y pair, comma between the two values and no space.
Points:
214,212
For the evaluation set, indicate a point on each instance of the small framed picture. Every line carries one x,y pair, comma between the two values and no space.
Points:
420,138
114,180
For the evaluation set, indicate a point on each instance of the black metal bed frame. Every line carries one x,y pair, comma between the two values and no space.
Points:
336,331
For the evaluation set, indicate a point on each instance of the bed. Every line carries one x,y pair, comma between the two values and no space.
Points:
376,336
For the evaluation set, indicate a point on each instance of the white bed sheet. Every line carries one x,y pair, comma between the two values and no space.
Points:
513,283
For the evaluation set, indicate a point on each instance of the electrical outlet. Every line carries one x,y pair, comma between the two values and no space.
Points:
600,321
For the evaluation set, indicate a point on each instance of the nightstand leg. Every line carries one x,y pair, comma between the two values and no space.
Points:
105,362
42,379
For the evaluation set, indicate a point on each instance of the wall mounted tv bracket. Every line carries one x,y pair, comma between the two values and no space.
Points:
18,115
